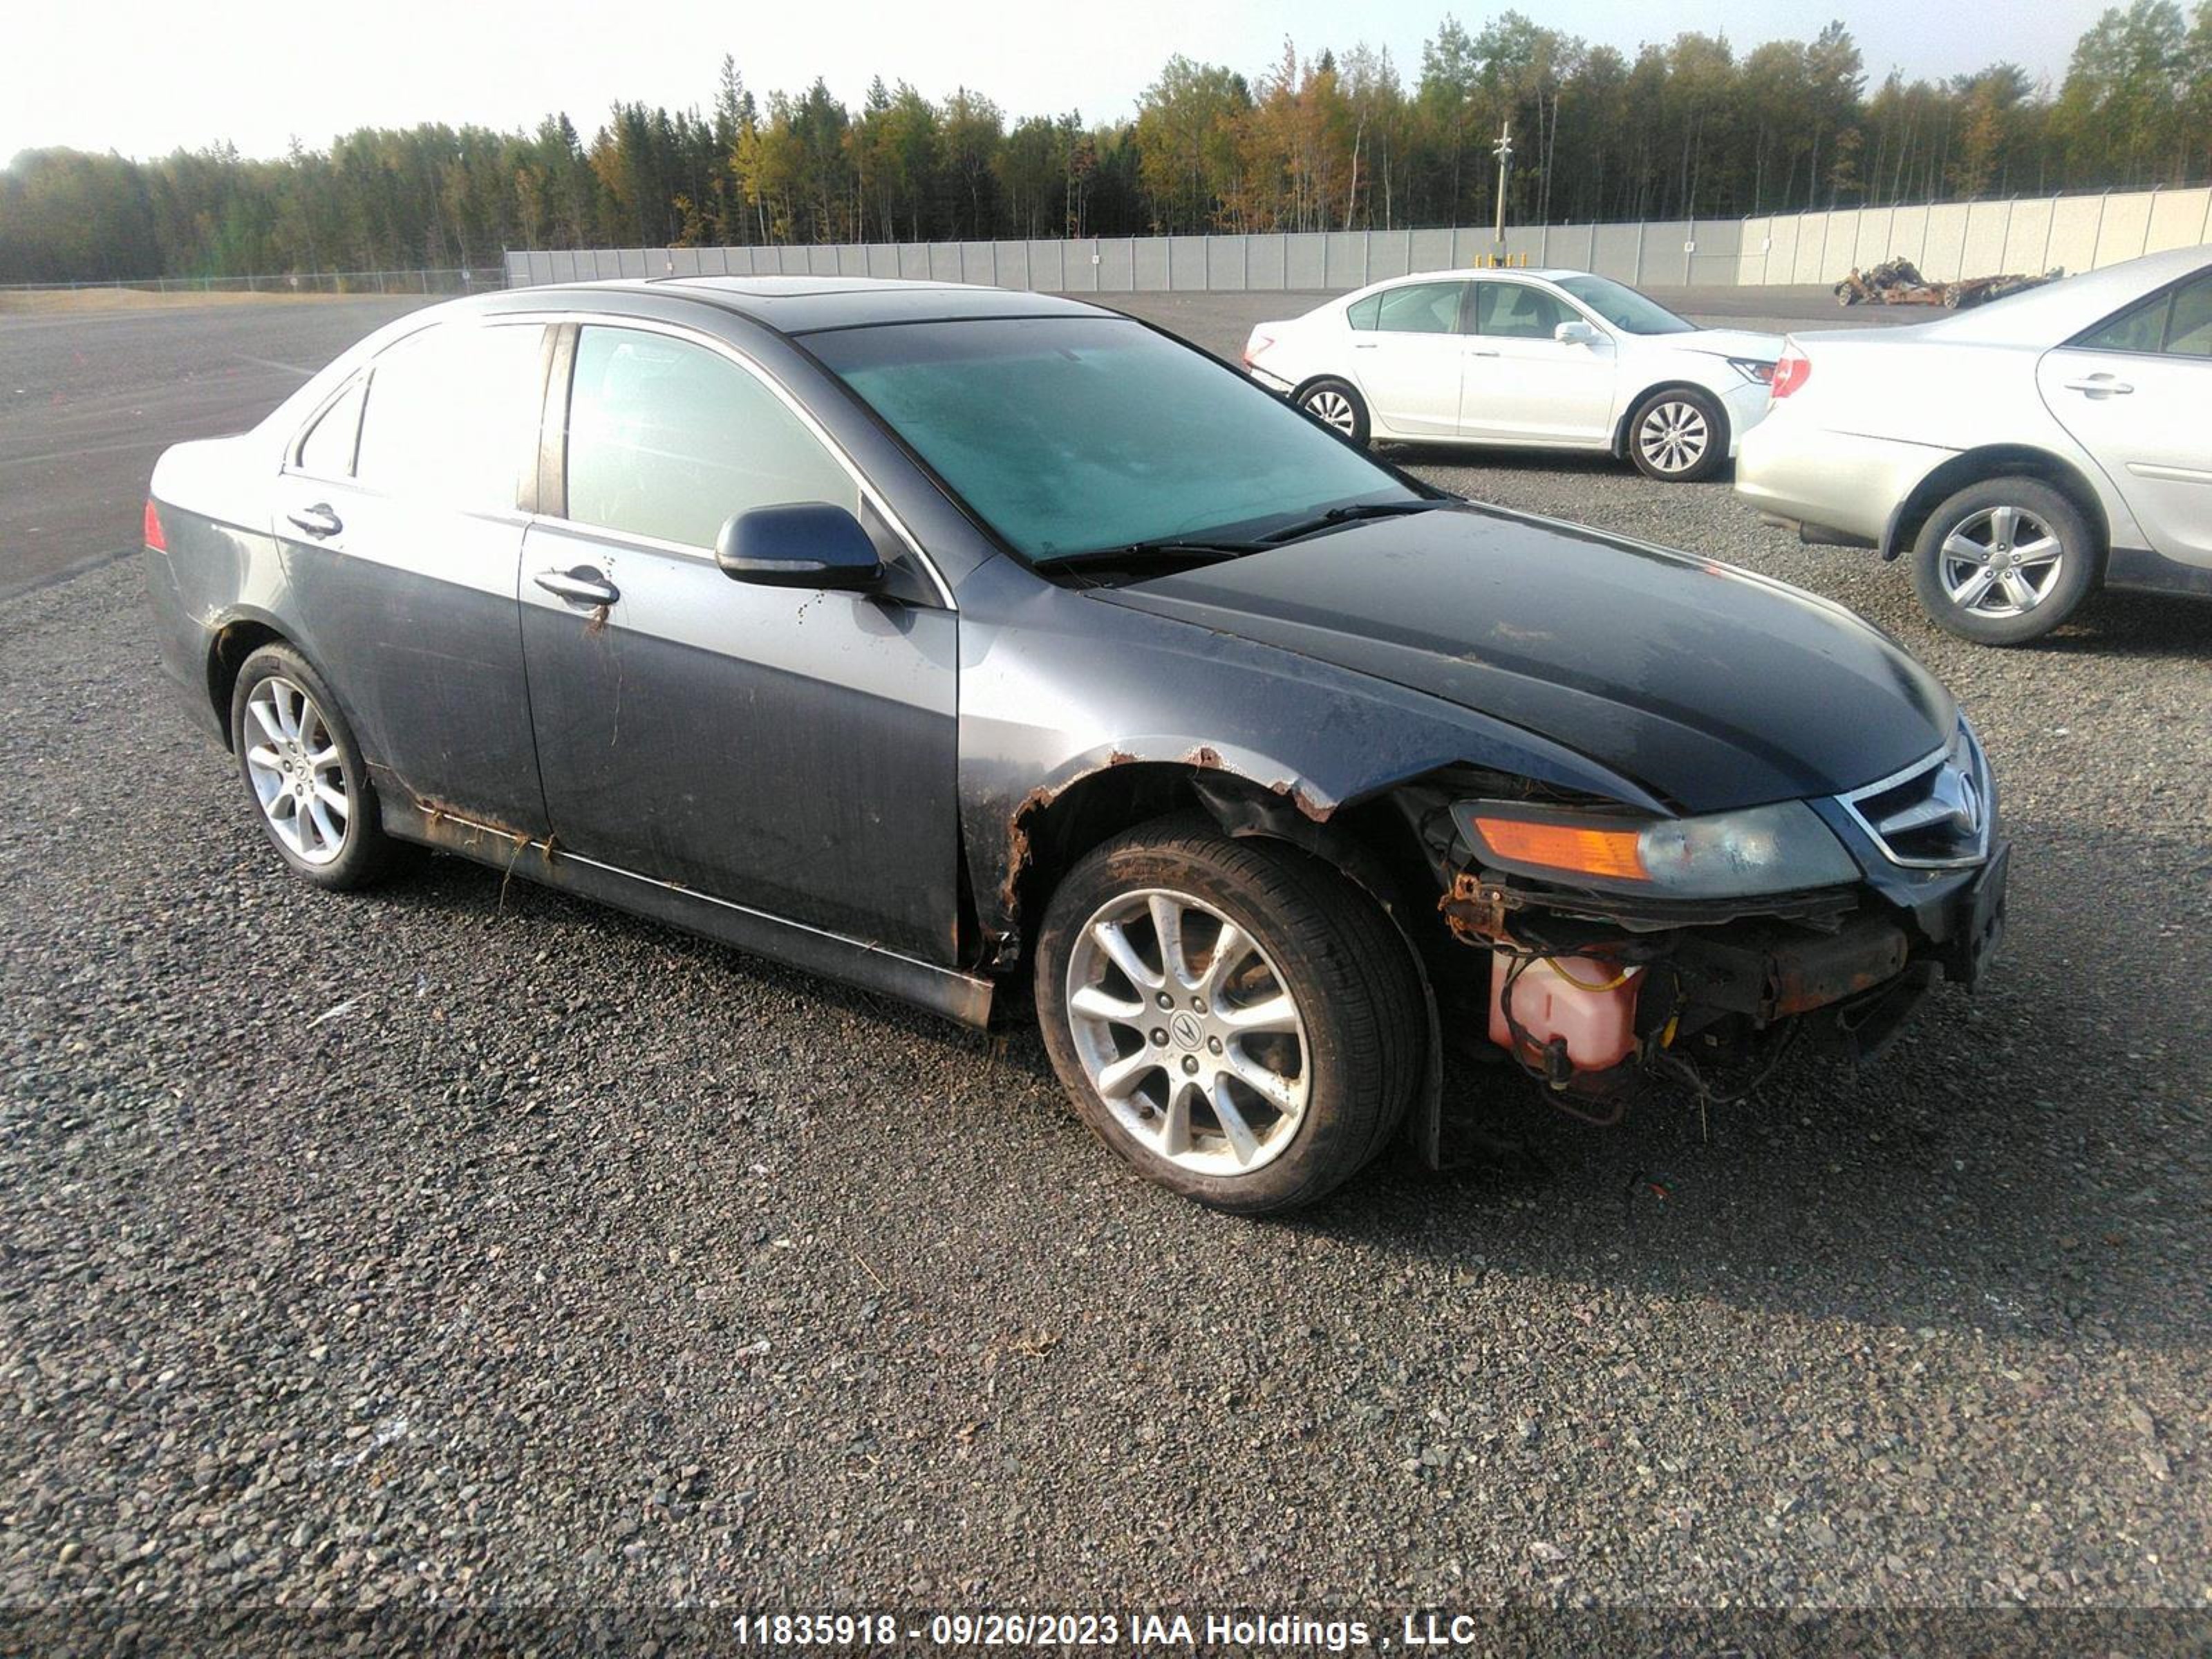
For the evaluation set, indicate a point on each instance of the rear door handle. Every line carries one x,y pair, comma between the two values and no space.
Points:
1364,345
1479,352
583,584
2100,386
318,521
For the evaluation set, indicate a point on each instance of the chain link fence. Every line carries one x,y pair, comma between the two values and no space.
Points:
457,279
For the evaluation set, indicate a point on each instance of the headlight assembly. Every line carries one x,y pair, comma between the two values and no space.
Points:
1781,848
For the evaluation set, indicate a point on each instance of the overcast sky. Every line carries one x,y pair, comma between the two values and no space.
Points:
144,76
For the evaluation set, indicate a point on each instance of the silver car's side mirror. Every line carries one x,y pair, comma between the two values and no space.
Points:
1576,333
804,545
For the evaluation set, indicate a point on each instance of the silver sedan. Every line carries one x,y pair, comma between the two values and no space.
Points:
2021,454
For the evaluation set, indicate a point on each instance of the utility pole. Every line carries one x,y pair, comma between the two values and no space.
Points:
1505,149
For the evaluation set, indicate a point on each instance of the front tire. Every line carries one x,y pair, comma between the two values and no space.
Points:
2004,562
1337,406
1234,1019
1678,435
304,773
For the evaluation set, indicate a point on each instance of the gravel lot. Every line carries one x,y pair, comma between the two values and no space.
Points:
464,1245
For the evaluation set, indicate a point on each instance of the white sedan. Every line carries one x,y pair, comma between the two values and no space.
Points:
2021,454
1524,359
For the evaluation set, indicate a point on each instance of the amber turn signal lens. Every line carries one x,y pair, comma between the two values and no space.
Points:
1613,852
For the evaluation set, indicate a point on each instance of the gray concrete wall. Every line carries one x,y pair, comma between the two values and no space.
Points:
1949,240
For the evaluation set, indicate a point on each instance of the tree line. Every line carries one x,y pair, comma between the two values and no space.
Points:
1326,141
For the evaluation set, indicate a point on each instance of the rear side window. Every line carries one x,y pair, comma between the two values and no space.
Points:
1420,308
1513,311
327,450
2139,329
2177,323
1362,314
452,416
2189,329
667,438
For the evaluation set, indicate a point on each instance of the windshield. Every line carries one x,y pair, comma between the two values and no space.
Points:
1077,434
1624,307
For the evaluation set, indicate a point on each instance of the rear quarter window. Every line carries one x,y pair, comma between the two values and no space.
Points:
326,449
1362,313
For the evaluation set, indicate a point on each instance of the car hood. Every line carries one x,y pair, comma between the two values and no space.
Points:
1721,342
1711,687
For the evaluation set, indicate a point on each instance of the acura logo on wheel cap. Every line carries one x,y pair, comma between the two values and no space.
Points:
1187,1032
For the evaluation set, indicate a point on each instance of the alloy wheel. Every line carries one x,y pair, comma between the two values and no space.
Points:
1672,437
1187,1032
1333,409
2001,561
296,771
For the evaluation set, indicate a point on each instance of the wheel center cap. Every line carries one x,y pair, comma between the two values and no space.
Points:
1186,1030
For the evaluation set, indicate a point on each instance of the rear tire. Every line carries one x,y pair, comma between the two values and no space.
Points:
1337,405
2004,562
1255,1081
304,774
1678,435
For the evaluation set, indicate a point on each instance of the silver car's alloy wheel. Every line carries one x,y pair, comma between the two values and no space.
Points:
1334,408
2000,562
1672,437
296,770
1187,1032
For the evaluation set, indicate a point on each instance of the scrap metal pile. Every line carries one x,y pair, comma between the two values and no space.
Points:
1898,283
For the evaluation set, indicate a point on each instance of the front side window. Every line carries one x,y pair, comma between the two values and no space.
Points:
1420,308
1074,435
452,414
667,438
1513,311
327,450
1624,307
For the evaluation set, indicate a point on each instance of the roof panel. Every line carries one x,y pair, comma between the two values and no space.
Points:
800,305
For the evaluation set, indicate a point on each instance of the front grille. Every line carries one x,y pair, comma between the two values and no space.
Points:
1937,813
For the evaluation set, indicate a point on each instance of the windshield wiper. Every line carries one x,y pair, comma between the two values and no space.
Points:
1167,549
1349,515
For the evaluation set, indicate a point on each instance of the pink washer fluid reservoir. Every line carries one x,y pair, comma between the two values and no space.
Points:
1588,1002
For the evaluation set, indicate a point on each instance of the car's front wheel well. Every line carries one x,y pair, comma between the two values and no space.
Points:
232,645
1629,405
1978,466
1368,843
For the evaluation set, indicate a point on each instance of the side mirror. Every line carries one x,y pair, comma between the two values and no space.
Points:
805,545
1575,333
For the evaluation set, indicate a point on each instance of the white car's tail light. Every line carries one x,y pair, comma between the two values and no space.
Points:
1792,372
1256,345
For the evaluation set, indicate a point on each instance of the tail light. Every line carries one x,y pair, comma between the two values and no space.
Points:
154,538
1256,345
1792,372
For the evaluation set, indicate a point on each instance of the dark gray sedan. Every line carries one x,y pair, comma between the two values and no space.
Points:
943,640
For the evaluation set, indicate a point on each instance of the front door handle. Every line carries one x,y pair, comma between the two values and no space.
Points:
583,584
318,521
2100,386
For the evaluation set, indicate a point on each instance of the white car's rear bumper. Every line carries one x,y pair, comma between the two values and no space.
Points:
1844,484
